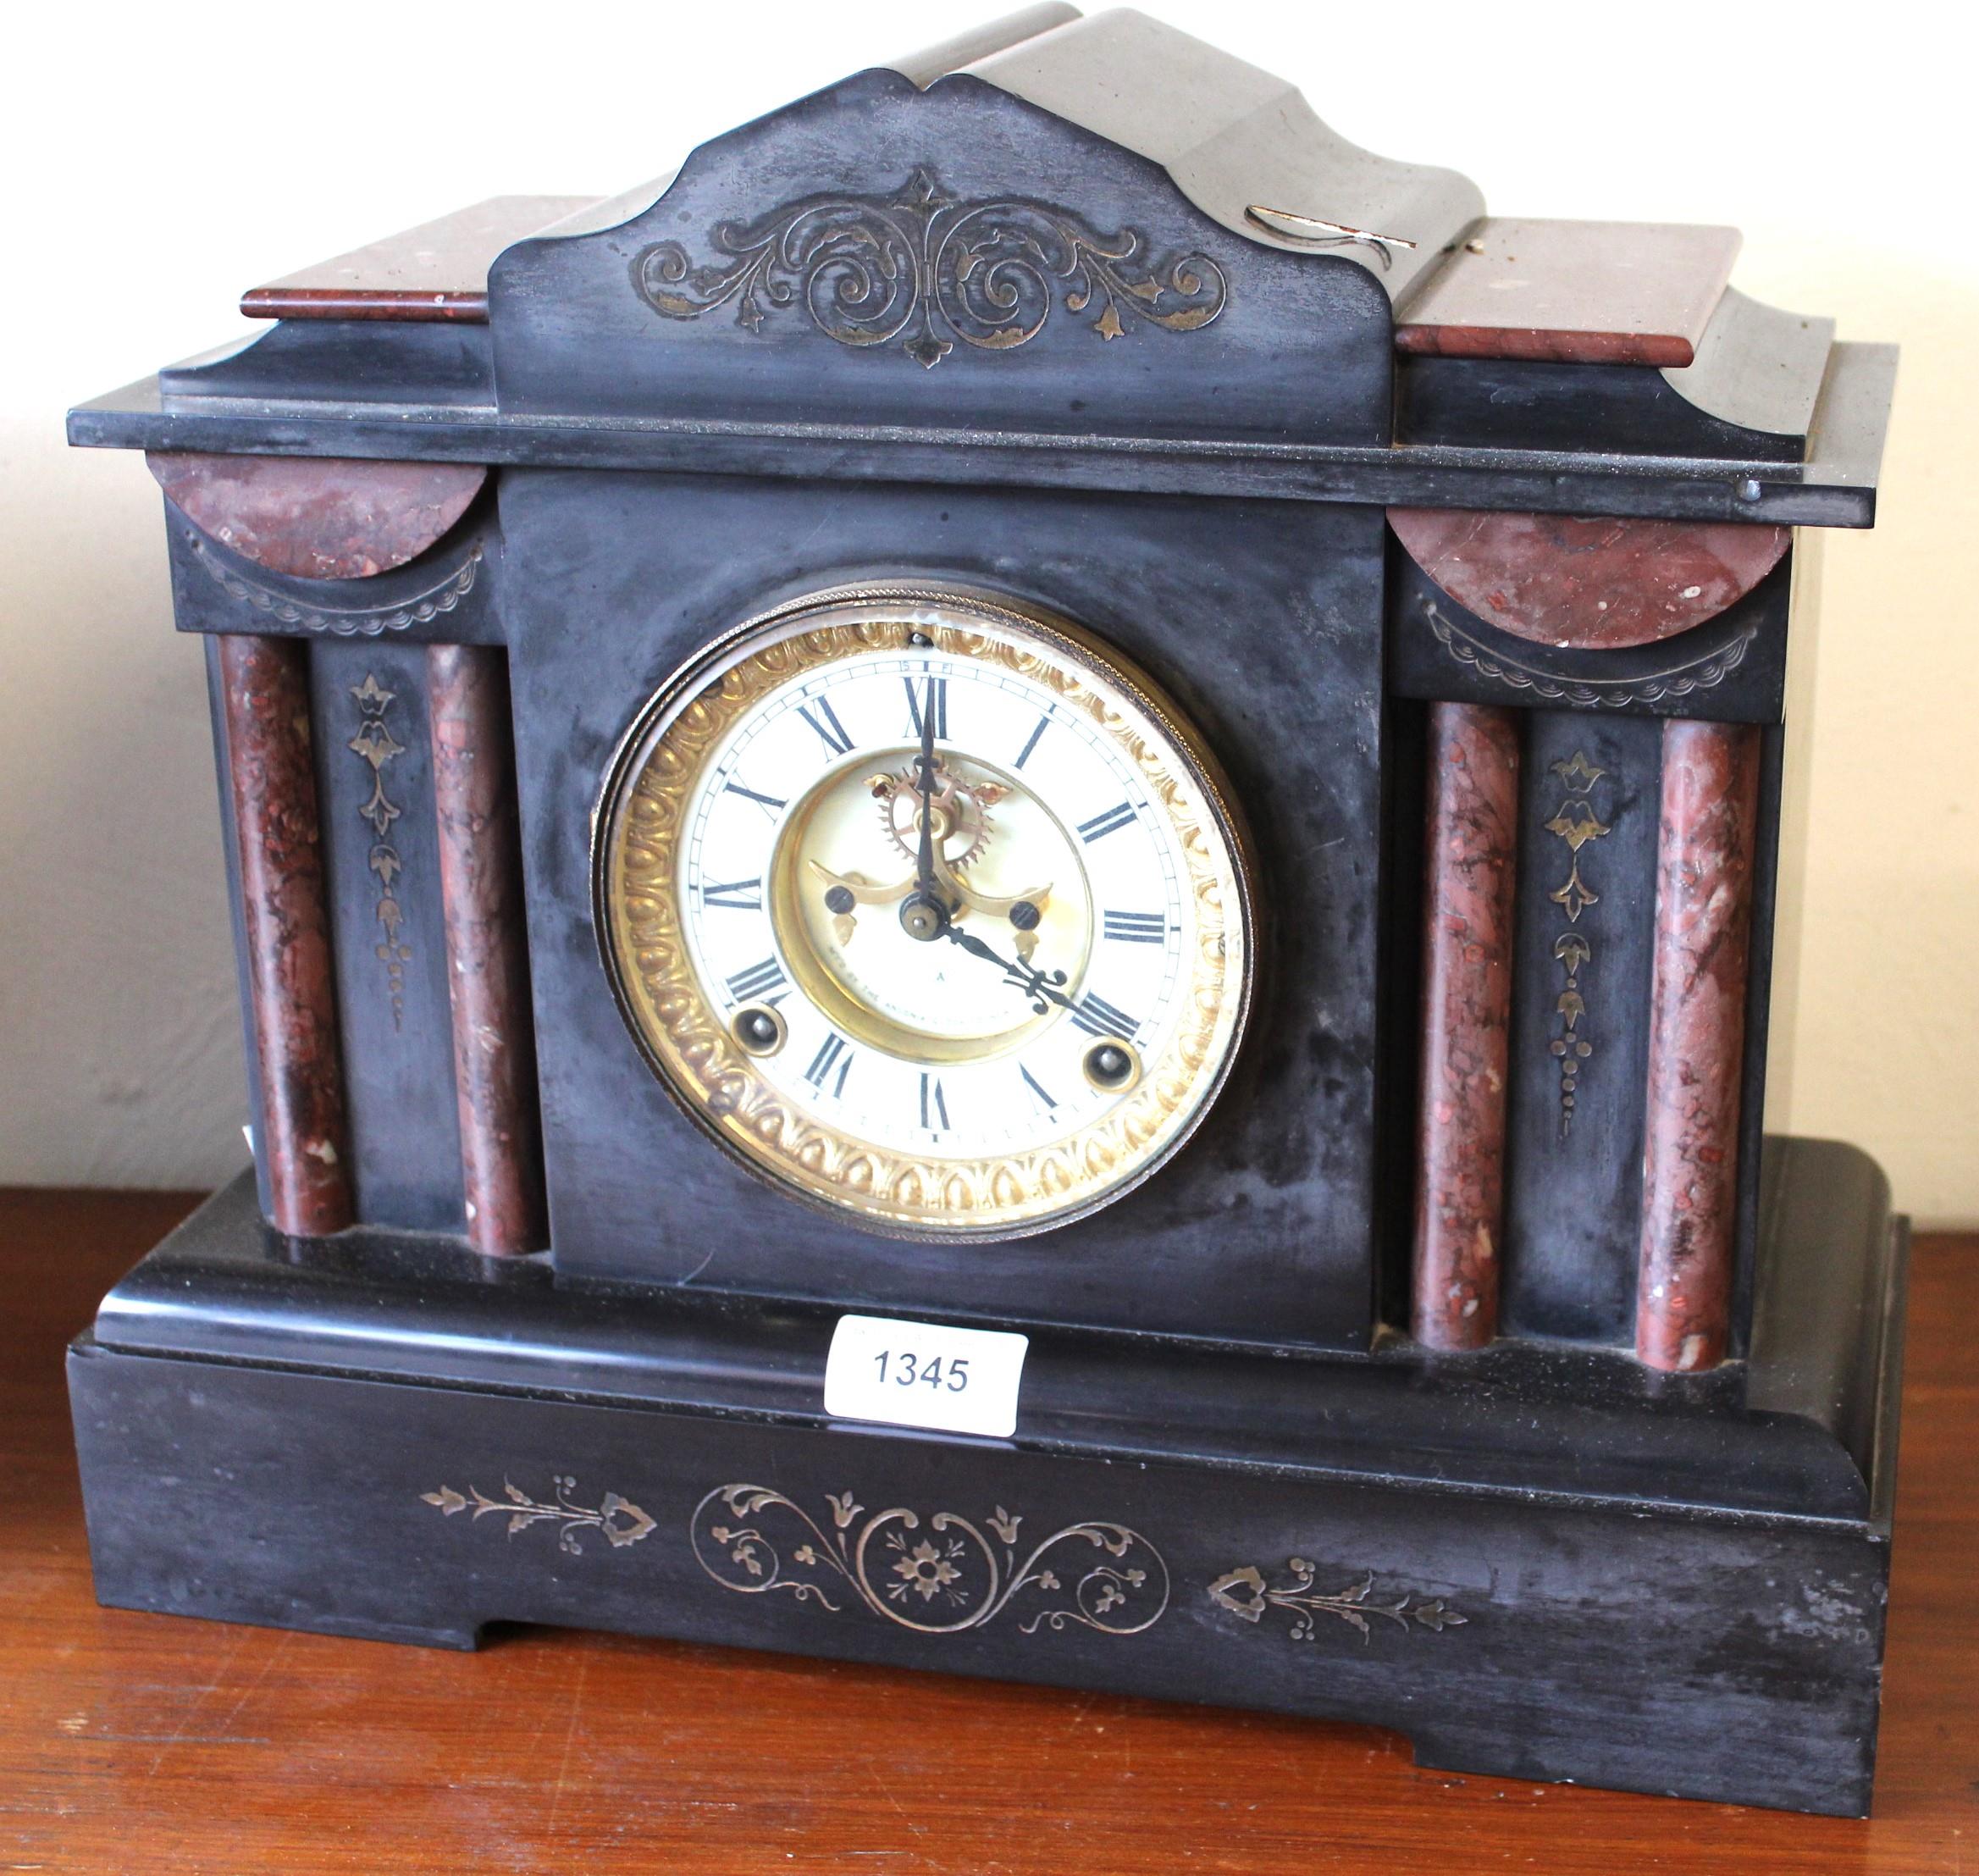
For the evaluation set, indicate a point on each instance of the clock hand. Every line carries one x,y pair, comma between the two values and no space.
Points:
925,914
1035,984
924,769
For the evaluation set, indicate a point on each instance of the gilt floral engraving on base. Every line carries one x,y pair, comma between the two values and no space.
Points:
928,269
938,1577
619,1519
1247,1593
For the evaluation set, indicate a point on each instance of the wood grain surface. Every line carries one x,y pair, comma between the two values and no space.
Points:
142,1742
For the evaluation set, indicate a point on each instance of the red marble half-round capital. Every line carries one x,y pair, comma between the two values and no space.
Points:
1587,585
318,517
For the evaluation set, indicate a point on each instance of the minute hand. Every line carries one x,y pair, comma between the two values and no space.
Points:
1035,984
924,869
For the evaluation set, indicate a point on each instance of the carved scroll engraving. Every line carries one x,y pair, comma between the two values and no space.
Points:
620,1520
375,743
938,1577
929,269
1577,824
1247,1594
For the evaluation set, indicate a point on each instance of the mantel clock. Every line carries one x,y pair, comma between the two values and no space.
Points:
1041,800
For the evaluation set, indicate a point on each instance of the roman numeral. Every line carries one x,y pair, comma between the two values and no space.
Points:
935,1102
1102,825
827,724
1037,1088
833,1053
938,687
1098,1017
769,803
1044,724
1134,928
739,895
757,984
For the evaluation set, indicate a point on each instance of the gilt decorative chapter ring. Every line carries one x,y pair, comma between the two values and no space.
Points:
928,269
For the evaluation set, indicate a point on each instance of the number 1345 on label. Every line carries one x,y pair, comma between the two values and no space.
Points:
925,1374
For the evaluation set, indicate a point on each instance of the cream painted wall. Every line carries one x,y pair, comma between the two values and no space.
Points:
160,160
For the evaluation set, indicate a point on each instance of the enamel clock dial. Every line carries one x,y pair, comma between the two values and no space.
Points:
928,909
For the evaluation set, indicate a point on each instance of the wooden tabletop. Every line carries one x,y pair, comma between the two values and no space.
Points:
142,1742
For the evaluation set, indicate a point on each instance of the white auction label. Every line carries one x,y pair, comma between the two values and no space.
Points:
923,1374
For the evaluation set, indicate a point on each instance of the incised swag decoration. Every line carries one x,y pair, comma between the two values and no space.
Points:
1577,824
1704,672
929,269
937,1578
619,1519
376,745
344,622
1246,1593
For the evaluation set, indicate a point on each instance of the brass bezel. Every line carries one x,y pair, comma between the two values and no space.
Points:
687,1045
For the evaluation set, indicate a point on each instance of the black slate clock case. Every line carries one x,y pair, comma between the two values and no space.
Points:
1259,617
1541,1559
1260,1229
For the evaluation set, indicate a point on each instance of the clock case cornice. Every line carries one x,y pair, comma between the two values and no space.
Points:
1291,387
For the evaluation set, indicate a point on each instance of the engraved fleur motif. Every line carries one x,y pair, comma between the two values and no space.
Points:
1577,824
1248,1594
1574,897
375,744
926,1571
617,1519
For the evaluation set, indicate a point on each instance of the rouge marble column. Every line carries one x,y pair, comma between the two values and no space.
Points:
305,1151
1696,1047
488,977
1467,1005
